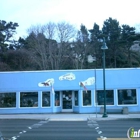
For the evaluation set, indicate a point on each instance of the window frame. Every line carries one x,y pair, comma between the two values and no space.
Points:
58,99
76,92
35,106
50,100
6,103
83,91
96,98
127,104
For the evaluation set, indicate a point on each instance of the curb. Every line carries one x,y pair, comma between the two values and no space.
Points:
41,119
66,119
107,119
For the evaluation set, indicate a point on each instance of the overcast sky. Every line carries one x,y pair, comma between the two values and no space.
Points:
76,12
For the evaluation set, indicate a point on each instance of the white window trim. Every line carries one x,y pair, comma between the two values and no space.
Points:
96,105
82,99
127,104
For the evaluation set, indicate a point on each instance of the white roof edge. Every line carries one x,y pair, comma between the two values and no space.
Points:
39,71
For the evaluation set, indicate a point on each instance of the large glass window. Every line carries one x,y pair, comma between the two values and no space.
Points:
7,100
46,99
87,98
28,99
109,97
57,98
76,98
127,96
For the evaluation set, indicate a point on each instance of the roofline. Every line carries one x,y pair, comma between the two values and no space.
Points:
68,70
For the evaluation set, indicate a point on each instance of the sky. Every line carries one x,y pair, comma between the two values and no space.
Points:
29,13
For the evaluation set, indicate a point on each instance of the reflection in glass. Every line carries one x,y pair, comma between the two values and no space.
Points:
127,96
109,97
57,98
7,100
76,98
28,99
67,99
46,99
87,98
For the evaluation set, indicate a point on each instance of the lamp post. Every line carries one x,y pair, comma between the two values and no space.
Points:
104,47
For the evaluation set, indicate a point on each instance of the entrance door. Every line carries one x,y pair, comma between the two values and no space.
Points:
67,101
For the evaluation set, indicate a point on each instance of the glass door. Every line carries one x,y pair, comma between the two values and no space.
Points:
67,101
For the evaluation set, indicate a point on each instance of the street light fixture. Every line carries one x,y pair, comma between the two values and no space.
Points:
104,47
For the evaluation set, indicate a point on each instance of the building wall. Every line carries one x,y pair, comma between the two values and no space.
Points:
92,80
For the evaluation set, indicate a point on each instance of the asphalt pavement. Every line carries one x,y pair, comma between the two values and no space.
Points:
69,116
98,127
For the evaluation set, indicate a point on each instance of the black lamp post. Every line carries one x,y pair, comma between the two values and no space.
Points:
104,47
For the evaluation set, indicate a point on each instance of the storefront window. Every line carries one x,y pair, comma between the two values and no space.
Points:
57,98
87,98
29,99
7,100
46,99
109,97
76,98
127,96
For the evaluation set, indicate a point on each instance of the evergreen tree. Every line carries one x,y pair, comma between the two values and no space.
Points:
7,30
112,30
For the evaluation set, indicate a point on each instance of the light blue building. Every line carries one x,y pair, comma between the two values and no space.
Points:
79,91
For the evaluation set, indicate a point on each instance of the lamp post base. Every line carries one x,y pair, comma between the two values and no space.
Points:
105,115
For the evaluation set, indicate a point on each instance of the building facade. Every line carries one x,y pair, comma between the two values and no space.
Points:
79,91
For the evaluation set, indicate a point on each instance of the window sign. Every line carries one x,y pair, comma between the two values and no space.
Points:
109,97
127,96
87,98
28,99
76,98
46,99
7,100
57,98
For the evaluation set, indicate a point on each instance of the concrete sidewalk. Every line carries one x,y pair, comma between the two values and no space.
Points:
69,117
